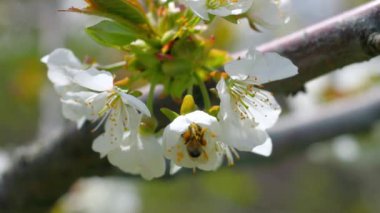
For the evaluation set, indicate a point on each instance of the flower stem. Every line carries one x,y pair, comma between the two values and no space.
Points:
205,94
150,99
190,90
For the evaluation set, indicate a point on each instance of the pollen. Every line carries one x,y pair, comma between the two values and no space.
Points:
180,156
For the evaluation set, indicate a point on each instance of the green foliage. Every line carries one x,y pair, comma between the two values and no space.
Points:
170,114
129,10
109,33
164,49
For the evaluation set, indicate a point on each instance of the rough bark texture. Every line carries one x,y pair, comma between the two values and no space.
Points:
41,174
36,180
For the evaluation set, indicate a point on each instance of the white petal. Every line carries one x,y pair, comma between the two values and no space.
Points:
114,127
96,104
215,156
225,100
74,105
134,118
144,156
239,69
58,76
221,11
262,67
236,8
152,161
199,8
103,146
62,64
62,57
241,135
72,110
135,102
174,168
81,122
70,87
264,149
271,67
268,11
126,159
172,132
265,110
201,118
94,79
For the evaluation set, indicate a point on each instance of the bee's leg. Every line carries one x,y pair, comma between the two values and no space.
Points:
194,170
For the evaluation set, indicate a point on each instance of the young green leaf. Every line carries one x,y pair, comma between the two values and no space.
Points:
171,115
130,10
112,34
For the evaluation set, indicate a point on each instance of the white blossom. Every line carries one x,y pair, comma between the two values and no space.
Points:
268,12
62,66
136,153
192,141
110,102
245,110
260,10
88,94
222,8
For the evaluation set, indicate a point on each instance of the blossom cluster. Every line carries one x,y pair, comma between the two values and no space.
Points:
193,140
179,59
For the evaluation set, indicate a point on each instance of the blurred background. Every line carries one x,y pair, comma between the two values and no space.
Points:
339,175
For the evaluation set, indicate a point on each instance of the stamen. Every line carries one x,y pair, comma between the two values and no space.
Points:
101,121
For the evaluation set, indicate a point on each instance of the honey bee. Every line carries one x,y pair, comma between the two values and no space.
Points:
194,140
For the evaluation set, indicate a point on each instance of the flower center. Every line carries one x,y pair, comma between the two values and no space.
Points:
243,95
194,140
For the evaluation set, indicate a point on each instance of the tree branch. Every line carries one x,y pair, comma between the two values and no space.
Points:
36,180
351,115
351,37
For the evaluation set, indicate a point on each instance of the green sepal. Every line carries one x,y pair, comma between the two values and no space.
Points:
188,105
170,114
214,110
148,125
135,93
217,58
109,33
168,36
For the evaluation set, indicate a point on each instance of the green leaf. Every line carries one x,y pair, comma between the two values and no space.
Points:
179,85
136,93
112,34
171,115
130,10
